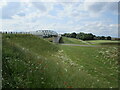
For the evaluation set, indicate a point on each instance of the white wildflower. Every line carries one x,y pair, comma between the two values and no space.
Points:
28,61
79,69
65,69
36,67
42,82
38,57
81,66
42,78
98,80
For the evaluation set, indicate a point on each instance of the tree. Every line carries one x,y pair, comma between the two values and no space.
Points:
102,37
90,36
73,35
66,34
80,35
108,38
85,36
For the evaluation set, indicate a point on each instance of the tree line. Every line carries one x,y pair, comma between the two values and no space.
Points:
85,36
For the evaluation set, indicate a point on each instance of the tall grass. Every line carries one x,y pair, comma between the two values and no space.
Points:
32,62
100,62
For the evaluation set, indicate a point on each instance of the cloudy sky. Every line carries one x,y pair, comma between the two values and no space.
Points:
99,18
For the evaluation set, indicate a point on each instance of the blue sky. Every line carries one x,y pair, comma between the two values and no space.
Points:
99,18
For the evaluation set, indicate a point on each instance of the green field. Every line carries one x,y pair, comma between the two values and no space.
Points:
32,62
98,42
74,41
89,42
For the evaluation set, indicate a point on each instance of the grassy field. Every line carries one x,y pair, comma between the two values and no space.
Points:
74,41
89,42
32,62
99,42
100,63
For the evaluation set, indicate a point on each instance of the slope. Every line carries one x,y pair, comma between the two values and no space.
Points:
32,62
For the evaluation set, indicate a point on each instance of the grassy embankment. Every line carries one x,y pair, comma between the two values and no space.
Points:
90,42
74,41
29,61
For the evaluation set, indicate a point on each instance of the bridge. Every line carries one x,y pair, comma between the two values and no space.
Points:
43,34
48,33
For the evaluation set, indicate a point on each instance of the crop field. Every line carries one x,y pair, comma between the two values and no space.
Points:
33,62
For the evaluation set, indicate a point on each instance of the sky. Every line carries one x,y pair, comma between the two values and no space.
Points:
88,16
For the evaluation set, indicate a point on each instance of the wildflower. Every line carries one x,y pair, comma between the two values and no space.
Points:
23,48
65,69
107,51
38,57
69,87
42,82
7,58
36,67
81,66
28,61
96,56
42,78
65,83
98,80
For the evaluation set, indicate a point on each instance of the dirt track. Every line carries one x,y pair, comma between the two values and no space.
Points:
81,45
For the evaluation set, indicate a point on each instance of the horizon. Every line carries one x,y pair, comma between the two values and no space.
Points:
98,18
59,33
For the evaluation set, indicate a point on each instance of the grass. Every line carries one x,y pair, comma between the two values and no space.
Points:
32,62
67,40
100,63
99,42
89,42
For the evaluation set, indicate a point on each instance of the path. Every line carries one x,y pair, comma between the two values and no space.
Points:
81,45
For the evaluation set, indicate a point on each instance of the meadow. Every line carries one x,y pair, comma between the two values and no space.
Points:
33,62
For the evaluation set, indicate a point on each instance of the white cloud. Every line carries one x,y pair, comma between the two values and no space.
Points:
99,28
97,8
2,4
62,0
10,10
40,6
69,19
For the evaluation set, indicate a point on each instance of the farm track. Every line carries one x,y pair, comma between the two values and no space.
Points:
82,45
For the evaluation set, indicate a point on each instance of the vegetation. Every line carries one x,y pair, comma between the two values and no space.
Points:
86,36
103,42
32,62
74,41
101,63
68,40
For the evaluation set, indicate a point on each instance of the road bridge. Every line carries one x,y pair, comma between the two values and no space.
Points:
48,33
42,33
